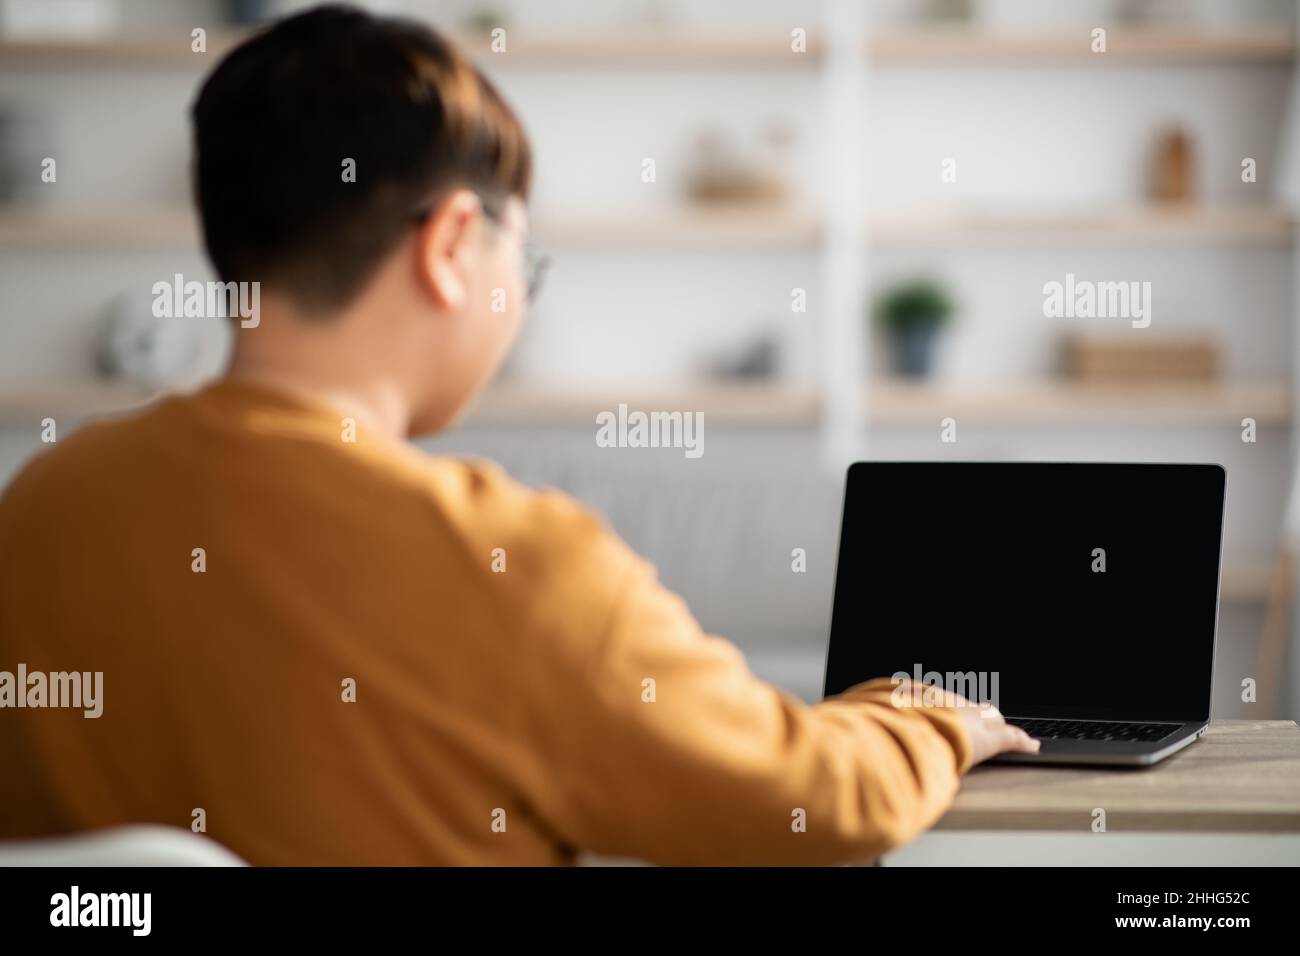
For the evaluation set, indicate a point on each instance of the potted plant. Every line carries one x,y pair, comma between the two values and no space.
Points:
912,314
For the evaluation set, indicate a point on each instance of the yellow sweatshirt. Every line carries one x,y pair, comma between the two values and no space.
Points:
325,651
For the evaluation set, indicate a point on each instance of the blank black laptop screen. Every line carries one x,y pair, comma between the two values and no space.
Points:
1090,590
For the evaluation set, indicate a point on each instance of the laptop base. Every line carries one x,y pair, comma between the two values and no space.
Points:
1108,753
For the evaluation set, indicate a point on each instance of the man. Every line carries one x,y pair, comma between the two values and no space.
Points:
328,647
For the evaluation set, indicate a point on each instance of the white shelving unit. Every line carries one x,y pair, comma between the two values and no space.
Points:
841,233
844,53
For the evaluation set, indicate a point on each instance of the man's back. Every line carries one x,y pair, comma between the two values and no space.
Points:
239,573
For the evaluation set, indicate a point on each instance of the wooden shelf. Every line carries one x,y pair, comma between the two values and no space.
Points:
31,403
1153,44
631,48
502,404
789,227
642,48
674,47
884,403
895,403
127,227
723,226
694,226
739,404
144,51
1192,225
905,403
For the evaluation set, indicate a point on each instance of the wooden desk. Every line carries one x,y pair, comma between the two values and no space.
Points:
1243,776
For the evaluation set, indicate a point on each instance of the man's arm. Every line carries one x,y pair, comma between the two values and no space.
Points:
663,745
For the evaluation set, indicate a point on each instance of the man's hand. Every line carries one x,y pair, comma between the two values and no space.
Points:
990,734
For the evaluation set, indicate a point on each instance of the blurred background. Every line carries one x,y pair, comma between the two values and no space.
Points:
827,226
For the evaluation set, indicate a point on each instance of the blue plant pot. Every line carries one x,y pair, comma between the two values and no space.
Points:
914,350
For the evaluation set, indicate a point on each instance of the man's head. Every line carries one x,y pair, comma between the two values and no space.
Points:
373,182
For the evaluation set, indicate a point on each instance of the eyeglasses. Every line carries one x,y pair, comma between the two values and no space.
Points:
536,261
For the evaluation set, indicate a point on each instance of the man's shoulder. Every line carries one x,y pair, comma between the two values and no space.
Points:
80,458
462,508
533,531
540,554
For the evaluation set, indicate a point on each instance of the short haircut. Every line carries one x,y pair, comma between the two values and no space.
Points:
280,116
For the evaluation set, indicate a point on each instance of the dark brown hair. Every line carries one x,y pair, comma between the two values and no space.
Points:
278,117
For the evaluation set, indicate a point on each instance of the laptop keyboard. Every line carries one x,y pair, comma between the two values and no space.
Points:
1046,729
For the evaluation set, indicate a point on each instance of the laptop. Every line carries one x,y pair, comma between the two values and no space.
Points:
1080,599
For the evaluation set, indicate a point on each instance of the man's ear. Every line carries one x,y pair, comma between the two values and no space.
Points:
442,247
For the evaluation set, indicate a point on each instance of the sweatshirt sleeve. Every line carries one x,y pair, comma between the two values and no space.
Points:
669,749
